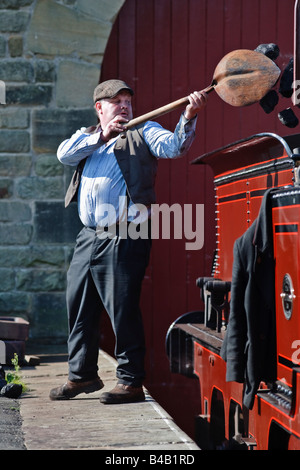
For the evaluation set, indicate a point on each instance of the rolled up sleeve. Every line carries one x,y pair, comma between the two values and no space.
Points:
166,144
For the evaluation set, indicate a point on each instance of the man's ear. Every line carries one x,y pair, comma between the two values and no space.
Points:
98,106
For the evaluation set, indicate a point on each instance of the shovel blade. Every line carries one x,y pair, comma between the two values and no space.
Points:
244,77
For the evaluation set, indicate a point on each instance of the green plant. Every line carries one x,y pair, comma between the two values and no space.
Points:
14,376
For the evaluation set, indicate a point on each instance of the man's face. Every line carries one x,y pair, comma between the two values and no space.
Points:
119,106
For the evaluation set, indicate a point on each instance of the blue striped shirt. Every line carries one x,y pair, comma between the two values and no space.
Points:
102,186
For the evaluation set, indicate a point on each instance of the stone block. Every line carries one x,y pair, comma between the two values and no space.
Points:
14,328
44,71
11,118
36,256
12,303
15,234
16,141
36,187
37,280
32,95
14,21
48,165
49,316
15,165
56,224
107,12
14,4
15,46
11,211
17,70
2,46
6,188
75,93
52,126
7,277
78,34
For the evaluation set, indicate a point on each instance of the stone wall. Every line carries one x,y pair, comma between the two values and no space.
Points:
50,62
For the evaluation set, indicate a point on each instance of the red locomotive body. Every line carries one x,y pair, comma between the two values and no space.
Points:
242,174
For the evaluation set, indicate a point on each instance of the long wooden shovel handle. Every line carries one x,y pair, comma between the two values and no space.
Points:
163,110
254,74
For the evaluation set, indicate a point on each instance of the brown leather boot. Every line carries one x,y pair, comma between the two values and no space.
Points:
123,394
71,389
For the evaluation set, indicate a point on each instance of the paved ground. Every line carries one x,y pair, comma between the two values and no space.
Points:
34,422
11,433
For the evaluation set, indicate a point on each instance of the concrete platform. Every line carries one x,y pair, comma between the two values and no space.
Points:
84,423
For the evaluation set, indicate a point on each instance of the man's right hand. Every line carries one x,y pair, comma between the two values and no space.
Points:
113,128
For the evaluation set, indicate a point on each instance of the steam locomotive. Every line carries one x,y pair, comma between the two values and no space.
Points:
244,172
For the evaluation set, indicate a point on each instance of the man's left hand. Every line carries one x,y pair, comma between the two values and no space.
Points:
197,100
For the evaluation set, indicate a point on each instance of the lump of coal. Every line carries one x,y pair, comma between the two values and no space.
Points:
11,390
269,101
2,372
2,377
286,82
270,50
2,383
288,118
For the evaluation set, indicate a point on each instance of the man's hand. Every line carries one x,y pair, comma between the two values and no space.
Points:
197,100
114,128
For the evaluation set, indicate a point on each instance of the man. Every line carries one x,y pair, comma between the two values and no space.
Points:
107,271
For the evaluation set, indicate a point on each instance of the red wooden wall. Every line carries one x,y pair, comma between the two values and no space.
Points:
166,49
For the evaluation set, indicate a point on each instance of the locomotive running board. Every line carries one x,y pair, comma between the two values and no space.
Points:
180,345
208,338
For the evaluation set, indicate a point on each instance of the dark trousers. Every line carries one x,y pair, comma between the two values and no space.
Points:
106,274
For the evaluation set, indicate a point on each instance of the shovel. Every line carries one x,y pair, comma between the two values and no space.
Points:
241,78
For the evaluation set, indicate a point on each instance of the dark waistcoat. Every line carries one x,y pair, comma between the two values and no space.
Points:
136,163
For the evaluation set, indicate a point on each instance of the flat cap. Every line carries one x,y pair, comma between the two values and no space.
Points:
110,89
